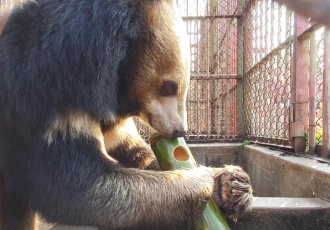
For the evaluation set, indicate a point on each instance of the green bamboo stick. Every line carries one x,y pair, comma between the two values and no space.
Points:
175,154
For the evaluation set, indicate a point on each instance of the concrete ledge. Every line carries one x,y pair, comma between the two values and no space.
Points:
286,214
275,174
216,154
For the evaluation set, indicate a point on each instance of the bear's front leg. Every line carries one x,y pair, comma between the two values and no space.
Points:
123,142
79,185
233,191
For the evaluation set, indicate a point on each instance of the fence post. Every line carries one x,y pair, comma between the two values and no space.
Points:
312,93
241,131
299,121
326,96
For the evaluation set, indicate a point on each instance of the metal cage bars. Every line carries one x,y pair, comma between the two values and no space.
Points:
268,54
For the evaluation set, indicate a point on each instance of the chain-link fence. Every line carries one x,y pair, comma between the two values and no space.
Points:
268,40
319,83
213,102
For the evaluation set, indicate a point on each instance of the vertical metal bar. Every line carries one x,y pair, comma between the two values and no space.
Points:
234,43
261,27
211,51
189,98
254,38
218,38
288,58
208,37
300,124
227,72
240,70
265,26
279,15
262,70
258,105
207,80
312,93
278,79
293,79
326,96
215,120
264,115
197,87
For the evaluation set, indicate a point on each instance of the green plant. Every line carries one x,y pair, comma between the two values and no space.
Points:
246,142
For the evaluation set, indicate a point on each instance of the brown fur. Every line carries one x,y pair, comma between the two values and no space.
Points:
159,61
123,142
162,205
73,123
233,191
125,129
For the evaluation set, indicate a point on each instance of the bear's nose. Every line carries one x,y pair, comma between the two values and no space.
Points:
179,133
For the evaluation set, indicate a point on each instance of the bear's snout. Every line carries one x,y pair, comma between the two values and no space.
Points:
179,133
168,126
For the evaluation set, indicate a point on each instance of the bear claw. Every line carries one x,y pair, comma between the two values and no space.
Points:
233,191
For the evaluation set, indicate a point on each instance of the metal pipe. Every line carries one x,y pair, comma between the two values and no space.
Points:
316,9
294,61
312,94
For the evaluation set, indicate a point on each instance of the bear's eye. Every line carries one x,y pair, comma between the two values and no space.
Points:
169,88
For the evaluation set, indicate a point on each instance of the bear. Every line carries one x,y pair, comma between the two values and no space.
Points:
73,74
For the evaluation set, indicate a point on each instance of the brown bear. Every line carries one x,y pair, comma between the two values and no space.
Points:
73,73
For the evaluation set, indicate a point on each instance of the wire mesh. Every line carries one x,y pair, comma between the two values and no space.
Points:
268,55
212,27
319,85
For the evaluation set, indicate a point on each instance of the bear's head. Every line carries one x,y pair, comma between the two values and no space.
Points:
162,75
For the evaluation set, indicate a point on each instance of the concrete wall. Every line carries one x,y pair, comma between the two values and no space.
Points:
301,185
216,154
273,173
